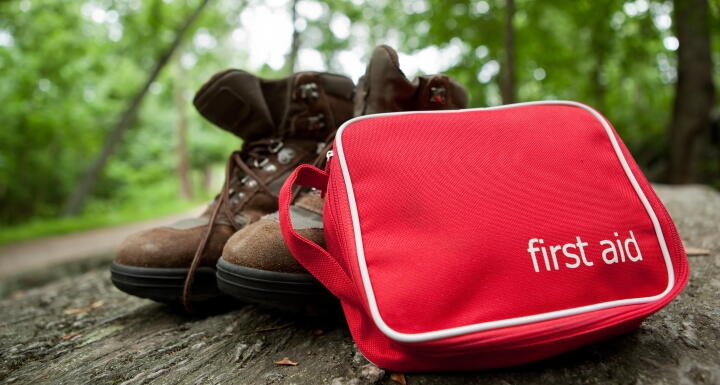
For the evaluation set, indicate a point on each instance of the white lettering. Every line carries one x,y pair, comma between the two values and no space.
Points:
619,251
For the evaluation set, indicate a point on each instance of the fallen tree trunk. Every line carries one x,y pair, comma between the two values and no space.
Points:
82,330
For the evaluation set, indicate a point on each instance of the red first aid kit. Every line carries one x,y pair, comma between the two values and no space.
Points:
482,238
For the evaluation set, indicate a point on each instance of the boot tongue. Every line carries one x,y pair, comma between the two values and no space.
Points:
384,87
233,100
275,93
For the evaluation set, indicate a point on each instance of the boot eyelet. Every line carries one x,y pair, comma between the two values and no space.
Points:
309,91
286,155
316,122
277,147
248,182
270,168
260,163
438,94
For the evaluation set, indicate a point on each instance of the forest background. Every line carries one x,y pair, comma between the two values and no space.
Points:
97,125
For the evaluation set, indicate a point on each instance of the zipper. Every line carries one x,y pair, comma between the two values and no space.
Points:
538,338
337,219
334,216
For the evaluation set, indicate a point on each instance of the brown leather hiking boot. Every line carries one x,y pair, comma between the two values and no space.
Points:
284,123
256,265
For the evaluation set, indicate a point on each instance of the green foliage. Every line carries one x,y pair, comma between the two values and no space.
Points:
608,54
68,69
101,214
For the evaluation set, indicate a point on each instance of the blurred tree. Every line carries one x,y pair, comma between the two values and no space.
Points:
615,55
68,70
295,42
77,198
507,82
181,130
44,133
694,91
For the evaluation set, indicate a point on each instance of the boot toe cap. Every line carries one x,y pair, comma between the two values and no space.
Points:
169,247
261,246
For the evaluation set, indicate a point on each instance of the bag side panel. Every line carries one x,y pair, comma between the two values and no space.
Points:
672,237
339,237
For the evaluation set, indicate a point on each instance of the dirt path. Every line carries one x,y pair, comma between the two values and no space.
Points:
26,256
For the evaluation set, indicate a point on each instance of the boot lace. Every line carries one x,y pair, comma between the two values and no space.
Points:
229,202
256,155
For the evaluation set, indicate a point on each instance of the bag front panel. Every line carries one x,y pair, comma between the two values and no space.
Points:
482,216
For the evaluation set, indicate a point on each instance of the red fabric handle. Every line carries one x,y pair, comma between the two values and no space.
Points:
318,261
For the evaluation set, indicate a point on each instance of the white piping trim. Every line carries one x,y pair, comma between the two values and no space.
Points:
460,330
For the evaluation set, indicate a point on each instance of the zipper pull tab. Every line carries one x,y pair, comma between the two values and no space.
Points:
328,155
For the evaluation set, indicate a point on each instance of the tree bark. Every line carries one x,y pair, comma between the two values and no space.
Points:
77,199
600,42
207,178
507,80
181,128
81,330
694,90
295,45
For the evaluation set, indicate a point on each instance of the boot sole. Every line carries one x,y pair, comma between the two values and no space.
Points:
286,292
164,284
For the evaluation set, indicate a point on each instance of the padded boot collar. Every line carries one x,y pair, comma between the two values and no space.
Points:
385,88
